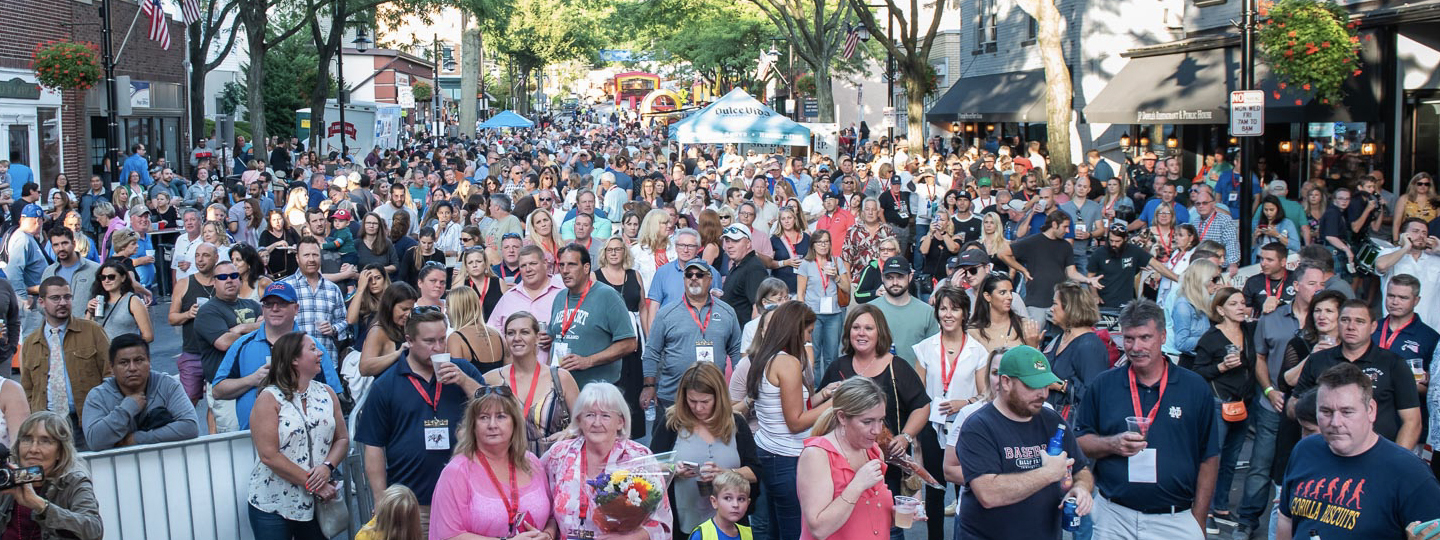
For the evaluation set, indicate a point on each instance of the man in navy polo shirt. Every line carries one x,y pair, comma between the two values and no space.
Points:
247,361
1403,332
413,410
1159,480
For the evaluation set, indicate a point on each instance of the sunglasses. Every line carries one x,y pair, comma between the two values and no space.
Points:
695,275
511,235
419,310
499,390
109,277
1422,183
433,264
972,270
227,277
467,239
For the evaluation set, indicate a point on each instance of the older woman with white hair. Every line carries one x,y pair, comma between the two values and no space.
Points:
602,425
61,504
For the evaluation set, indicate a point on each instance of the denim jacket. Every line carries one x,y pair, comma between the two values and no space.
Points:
1189,325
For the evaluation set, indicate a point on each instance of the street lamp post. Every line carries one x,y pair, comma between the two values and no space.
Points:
362,44
789,77
112,101
889,64
442,55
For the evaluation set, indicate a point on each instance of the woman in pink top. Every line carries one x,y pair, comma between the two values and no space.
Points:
492,488
844,495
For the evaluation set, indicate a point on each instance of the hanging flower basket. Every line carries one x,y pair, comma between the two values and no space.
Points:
63,65
1311,45
421,91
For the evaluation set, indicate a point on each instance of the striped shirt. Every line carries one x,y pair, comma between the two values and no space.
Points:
774,435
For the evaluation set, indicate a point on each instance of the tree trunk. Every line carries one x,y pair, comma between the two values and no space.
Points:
318,96
470,45
825,93
196,98
915,110
1058,91
255,85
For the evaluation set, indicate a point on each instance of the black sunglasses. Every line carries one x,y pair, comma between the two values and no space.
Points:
227,277
499,390
433,264
417,310
696,275
109,277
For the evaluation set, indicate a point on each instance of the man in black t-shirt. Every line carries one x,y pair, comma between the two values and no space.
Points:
1046,259
967,225
1335,230
1274,285
1117,263
1002,450
1350,482
1397,401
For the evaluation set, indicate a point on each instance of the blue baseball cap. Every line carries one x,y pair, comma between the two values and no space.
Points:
281,290
32,210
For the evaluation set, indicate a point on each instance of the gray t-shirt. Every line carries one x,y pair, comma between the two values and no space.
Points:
909,324
600,321
814,295
1082,216
1273,331
212,321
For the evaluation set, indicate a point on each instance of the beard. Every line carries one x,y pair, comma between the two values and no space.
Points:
896,290
694,290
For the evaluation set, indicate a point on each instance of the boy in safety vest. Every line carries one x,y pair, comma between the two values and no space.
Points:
730,498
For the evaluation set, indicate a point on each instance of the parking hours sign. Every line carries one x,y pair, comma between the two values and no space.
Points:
1247,113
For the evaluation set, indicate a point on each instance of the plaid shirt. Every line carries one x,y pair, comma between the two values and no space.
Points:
324,304
1221,228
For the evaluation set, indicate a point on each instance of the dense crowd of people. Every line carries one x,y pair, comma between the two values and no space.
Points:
535,308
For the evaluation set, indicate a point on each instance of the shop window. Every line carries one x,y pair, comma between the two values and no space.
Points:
987,29
1032,31
19,150
50,158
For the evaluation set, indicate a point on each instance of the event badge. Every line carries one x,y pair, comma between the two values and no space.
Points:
580,534
1233,196
437,434
1143,466
827,304
558,350
704,351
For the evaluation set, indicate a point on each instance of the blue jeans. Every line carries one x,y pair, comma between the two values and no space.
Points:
777,474
1262,455
827,340
917,259
268,526
1232,440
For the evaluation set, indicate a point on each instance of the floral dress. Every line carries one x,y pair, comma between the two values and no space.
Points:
861,247
562,464
305,439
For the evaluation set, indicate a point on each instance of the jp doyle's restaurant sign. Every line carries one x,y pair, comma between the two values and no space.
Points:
1164,116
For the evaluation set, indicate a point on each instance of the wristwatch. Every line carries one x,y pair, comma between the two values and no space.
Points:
908,438
333,470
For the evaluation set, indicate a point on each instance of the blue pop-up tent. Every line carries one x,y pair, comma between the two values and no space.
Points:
741,119
507,119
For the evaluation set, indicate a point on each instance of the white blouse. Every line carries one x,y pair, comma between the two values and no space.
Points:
268,491
962,383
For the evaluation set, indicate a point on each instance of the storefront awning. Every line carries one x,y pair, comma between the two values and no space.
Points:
1193,88
1004,97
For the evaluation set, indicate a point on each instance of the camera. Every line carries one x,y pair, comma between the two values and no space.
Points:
10,478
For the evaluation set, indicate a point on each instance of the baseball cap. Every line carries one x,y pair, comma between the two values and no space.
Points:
340,182
983,180
895,180
135,210
281,290
698,263
970,257
341,214
1029,365
896,265
959,193
32,210
832,195
735,233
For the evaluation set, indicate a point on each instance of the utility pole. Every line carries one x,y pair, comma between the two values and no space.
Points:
112,101
1247,144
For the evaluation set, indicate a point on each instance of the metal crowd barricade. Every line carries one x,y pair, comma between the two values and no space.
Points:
197,489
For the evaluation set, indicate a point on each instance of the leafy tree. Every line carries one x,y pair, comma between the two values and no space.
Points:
911,50
232,94
721,45
816,29
217,24
286,87
543,32
1058,89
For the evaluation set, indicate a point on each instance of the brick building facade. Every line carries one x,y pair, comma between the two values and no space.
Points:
64,132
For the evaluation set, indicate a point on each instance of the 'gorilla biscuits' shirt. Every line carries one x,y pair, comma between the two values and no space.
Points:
1372,495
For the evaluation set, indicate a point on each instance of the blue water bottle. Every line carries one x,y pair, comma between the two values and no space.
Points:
1056,446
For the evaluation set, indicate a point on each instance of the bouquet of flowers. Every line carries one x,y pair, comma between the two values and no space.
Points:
626,497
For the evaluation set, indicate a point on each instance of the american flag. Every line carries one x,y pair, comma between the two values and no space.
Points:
159,30
851,40
191,11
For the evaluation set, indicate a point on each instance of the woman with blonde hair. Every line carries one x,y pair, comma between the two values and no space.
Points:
62,504
472,340
1190,309
365,303
476,273
397,517
547,409
1419,201
540,231
992,238
214,233
295,205
653,247
707,438
490,445
790,242
1113,200
844,493
1315,202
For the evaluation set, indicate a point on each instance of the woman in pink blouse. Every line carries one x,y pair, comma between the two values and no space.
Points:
844,496
492,488
602,423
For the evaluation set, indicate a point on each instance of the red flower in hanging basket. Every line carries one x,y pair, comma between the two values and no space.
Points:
1325,44
1325,101
1276,94
1354,39
1306,87
1298,102
1357,73
1289,52
1282,86
1292,32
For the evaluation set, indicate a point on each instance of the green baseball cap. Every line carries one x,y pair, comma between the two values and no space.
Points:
1029,365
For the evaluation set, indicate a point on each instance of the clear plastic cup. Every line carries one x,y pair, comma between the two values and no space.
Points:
905,508
1138,424
1417,367
439,358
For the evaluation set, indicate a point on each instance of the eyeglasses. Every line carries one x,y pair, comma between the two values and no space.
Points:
275,305
109,277
614,250
499,389
687,246
546,199
696,275
227,277
60,297
433,264
420,310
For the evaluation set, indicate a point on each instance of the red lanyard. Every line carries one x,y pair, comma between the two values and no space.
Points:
1280,288
512,503
1385,329
695,317
584,473
1209,221
1169,253
790,245
1135,393
414,380
570,319
824,279
944,354
529,397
